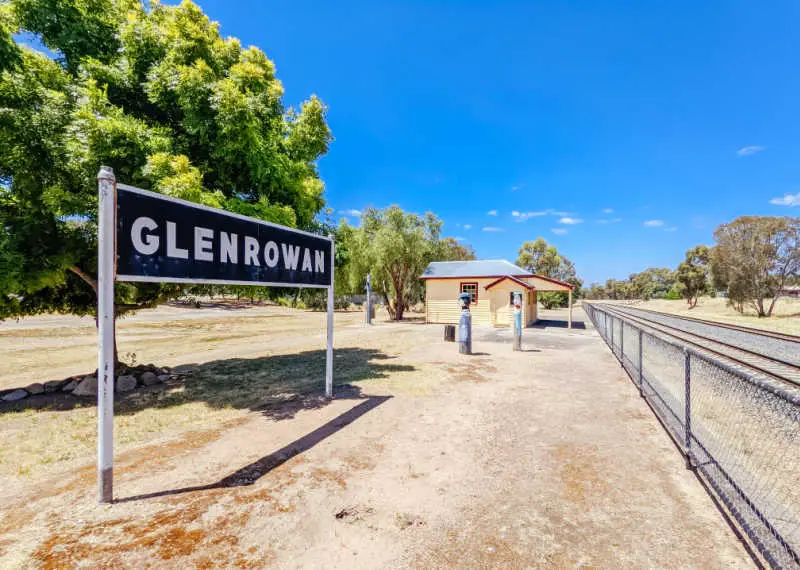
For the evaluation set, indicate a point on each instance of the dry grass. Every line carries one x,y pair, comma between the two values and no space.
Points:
785,317
238,363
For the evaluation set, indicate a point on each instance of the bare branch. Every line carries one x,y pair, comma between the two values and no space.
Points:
92,282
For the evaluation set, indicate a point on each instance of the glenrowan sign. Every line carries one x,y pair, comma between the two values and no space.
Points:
144,236
169,240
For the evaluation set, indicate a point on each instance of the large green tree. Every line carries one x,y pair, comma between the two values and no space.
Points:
754,258
395,247
155,92
692,275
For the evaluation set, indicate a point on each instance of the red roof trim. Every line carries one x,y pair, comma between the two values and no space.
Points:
424,277
512,278
501,277
556,281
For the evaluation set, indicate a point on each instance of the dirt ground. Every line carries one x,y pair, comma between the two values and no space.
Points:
785,317
545,458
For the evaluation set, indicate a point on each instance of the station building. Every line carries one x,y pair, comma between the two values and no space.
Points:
490,283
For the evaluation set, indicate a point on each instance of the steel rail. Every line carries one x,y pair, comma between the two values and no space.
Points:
683,333
740,328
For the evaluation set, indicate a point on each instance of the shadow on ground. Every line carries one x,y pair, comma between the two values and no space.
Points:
277,386
557,324
252,472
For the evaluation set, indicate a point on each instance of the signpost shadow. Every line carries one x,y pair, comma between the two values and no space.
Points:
254,471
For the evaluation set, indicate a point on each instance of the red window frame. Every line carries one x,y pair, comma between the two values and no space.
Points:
461,290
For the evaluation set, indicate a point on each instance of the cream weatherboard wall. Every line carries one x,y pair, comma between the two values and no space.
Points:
441,301
493,307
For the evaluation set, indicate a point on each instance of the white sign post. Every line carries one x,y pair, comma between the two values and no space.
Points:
107,192
148,237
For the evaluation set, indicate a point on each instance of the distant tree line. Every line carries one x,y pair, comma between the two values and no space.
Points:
751,262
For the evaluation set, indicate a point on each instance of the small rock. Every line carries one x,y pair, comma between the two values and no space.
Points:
162,377
35,388
126,383
69,386
148,379
55,385
87,387
15,395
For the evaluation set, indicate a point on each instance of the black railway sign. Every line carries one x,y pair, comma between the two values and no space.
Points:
164,239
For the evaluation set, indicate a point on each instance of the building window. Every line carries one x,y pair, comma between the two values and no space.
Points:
472,289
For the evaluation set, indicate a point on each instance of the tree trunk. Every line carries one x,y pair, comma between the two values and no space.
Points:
772,304
93,284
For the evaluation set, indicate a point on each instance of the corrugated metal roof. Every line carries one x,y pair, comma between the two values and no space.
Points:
480,268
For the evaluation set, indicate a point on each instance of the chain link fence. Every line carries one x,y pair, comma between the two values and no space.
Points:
740,433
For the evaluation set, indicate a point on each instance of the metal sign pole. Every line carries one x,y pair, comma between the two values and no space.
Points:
106,236
369,300
329,352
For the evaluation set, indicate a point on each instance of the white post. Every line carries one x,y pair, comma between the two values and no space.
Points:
329,352
106,253
570,308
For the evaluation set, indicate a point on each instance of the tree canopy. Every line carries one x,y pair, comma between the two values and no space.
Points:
754,258
541,258
155,92
692,275
395,247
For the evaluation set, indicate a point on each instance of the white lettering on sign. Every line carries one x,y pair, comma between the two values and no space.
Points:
228,253
271,254
146,241
203,244
251,251
144,244
291,255
319,261
172,249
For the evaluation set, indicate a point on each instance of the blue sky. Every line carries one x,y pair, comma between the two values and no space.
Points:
622,132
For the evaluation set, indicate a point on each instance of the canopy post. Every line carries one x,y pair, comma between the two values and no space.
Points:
570,308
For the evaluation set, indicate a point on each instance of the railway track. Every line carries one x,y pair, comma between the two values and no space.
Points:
740,328
781,369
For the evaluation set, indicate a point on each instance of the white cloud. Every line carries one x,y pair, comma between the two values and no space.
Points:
351,212
491,213
523,216
492,229
748,150
467,226
570,221
459,238
517,187
608,211
560,231
609,220
787,200
654,223
671,229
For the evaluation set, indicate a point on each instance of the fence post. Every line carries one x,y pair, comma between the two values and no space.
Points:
622,343
641,364
612,337
687,370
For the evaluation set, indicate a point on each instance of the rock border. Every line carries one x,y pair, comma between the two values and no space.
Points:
129,378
